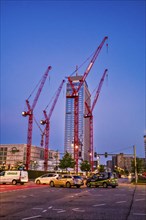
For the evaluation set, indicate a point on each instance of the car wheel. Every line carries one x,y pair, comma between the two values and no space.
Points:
88,185
38,182
52,184
113,186
104,185
68,185
14,182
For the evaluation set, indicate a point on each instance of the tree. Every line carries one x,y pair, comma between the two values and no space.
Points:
139,165
101,168
85,166
67,161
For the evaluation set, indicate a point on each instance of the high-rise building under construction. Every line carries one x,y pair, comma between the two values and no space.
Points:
83,123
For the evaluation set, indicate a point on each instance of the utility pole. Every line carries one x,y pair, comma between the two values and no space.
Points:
135,165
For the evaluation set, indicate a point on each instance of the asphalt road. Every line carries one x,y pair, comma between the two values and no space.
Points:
126,202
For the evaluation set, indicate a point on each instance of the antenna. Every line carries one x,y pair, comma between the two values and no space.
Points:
76,70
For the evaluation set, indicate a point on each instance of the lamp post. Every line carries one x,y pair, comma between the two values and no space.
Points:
145,145
3,166
135,165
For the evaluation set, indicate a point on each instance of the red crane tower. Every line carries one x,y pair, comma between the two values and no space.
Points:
29,113
75,91
90,116
47,123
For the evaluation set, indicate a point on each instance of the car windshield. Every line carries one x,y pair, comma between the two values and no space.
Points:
67,176
77,177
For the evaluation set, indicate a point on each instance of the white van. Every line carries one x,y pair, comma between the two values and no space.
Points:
14,177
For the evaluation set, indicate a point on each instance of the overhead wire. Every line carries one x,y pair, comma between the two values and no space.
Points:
121,149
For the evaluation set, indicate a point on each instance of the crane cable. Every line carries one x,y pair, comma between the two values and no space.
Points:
37,87
82,64
34,89
95,89
38,125
86,61
51,100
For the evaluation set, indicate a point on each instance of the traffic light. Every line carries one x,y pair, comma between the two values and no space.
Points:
106,154
95,154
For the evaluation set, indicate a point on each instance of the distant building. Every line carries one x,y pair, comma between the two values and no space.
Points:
109,164
12,154
122,161
84,128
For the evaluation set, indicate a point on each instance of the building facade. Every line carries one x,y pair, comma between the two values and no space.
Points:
14,154
122,161
84,127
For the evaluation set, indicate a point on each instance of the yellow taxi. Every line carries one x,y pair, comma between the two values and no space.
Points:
67,181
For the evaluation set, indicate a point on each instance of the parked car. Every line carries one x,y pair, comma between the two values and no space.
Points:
78,181
14,177
45,179
104,179
67,181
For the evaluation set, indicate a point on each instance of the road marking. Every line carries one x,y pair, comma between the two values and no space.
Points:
120,194
44,210
139,200
78,210
139,214
37,216
37,208
57,209
99,205
50,207
22,196
98,195
121,202
61,211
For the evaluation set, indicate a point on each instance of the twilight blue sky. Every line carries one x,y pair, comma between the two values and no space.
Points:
63,34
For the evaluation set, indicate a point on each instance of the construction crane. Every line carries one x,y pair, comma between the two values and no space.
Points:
42,133
90,116
75,95
29,113
47,123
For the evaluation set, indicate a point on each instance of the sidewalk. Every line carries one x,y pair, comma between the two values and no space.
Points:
138,206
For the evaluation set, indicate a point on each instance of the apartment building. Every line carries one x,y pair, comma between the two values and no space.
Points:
122,161
12,154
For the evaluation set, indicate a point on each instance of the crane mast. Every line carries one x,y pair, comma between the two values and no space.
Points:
90,116
47,127
74,95
29,113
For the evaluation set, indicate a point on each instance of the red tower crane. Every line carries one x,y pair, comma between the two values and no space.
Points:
90,116
29,113
75,91
47,123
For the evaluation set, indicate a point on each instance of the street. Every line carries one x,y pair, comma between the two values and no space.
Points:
126,202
